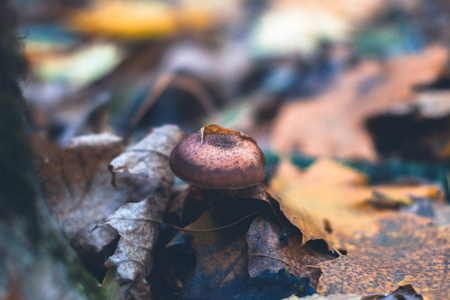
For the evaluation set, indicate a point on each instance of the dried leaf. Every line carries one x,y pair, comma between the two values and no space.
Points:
138,232
150,157
405,250
79,190
138,223
336,194
333,123
266,251
299,218
221,258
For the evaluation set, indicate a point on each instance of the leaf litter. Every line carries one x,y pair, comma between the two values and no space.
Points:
81,196
246,251
385,247
225,258
332,124
332,206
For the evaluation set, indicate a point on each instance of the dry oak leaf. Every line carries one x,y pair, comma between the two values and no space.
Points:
79,190
266,251
406,250
332,124
221,257
149,158
133,257
138,223
336,194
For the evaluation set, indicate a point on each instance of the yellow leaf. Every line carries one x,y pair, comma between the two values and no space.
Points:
137,20
330,191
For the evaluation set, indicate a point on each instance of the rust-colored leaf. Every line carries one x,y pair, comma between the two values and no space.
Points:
333,123
405,250
266,251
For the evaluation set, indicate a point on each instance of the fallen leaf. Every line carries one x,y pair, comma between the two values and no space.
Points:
138,229
188,205
266,251
138,223
405,250
221,258
150,157
335,193
333,123
299,218
79,190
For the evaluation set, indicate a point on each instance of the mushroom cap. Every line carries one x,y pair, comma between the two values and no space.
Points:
218,158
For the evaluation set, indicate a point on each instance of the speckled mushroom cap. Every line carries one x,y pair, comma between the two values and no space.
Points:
218,158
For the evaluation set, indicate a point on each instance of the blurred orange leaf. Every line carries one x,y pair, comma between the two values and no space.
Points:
333,123
135,20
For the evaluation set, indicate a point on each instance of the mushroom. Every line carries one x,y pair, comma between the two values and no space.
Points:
218,158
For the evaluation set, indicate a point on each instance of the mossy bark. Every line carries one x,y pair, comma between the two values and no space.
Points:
36,263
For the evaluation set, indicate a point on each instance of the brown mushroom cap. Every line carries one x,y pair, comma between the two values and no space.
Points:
218,158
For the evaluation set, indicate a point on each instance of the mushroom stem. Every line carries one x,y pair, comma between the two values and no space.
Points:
222,210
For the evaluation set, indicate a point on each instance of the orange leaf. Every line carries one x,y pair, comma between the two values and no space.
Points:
332,192
406,250
333,123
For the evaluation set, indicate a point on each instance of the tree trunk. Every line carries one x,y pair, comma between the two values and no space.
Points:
35,262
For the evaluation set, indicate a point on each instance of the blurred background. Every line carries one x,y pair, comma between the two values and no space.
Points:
364,81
